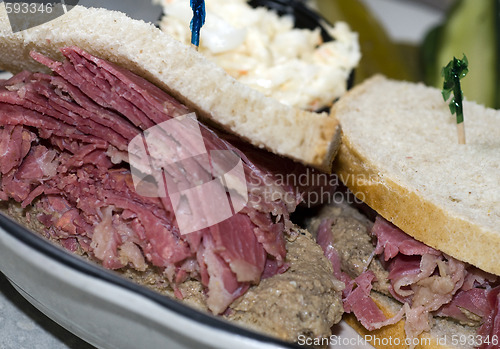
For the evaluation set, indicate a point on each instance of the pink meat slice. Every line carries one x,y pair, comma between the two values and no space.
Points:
61,137
391,240
490,329
432,283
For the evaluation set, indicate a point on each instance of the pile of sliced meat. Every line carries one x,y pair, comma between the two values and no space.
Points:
428,282
63,148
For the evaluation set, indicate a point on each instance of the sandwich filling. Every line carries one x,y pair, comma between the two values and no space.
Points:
63,145
427,282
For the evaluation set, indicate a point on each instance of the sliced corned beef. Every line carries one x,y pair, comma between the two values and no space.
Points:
63,148
490,329
433,283
391,241
427,282
324,238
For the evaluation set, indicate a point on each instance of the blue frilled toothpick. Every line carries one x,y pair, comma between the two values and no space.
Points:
198,20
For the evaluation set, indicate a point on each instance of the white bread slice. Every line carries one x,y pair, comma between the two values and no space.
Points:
400,154
444,333
310,138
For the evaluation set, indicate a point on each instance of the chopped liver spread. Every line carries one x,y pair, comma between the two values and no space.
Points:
305,300
351,234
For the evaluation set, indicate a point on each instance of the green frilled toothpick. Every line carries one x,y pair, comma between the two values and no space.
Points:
452,73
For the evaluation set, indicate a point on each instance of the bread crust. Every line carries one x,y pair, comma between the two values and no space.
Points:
307,137
408,209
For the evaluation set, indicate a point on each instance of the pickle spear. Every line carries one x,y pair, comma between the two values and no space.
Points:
379,53
471,28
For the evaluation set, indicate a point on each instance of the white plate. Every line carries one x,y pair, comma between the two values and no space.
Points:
110,312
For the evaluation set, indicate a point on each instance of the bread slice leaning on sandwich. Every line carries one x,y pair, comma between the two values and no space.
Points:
309,138
90,82
436,240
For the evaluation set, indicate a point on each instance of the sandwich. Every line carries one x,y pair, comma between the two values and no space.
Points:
419,245
81,114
